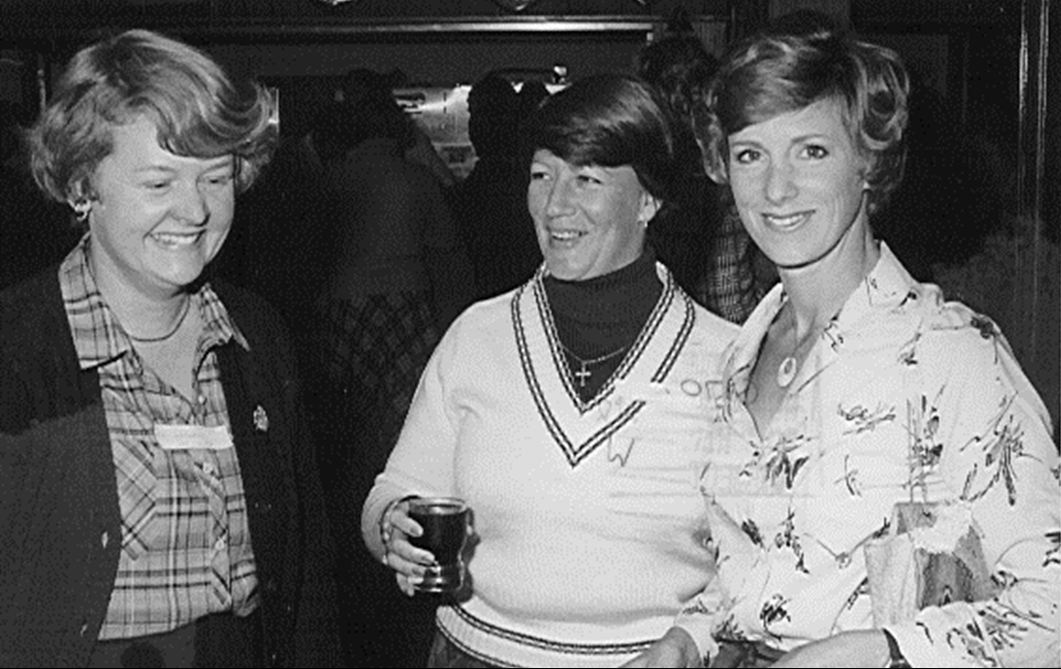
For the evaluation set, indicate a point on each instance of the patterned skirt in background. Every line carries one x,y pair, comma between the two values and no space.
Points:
372,352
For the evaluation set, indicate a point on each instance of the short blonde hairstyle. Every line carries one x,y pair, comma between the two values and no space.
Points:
779,71
198,111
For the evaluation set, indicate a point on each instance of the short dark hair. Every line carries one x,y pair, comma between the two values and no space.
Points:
197,110
794,64
609,120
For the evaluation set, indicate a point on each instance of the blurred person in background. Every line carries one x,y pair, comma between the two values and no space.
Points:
360,82
701,239
398,276
490,205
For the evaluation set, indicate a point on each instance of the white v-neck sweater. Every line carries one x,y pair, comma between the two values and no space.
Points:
588,515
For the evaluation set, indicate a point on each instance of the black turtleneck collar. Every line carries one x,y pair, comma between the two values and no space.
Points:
599,315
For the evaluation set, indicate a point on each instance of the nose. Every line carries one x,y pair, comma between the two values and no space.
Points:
191,205
559,198
780,184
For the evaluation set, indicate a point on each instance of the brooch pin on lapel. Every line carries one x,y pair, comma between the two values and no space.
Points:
261,420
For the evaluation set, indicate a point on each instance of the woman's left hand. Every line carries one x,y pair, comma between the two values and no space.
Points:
675,649
861,648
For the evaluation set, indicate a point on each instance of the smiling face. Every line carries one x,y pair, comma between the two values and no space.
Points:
157,218
590,220
798,183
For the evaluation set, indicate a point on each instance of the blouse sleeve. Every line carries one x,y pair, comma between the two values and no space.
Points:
992,435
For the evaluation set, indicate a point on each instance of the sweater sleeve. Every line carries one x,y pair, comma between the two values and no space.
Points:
422,462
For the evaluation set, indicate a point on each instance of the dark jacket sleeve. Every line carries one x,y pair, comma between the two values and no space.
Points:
289,529
60,528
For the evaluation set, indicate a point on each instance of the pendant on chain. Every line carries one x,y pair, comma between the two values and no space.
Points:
786,371
582,375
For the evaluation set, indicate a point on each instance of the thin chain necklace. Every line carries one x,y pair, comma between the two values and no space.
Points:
789,367
583,374
177,326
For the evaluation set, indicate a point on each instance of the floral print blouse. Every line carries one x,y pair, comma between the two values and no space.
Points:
905,397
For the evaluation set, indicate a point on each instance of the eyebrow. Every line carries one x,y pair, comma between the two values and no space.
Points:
799,139
812,136
221,162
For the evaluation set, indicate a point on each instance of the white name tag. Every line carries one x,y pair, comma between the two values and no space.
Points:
187,437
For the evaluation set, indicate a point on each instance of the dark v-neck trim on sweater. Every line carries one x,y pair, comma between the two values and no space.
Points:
603,315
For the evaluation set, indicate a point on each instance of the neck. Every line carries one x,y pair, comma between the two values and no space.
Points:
595,316
141,314
817,291
598,319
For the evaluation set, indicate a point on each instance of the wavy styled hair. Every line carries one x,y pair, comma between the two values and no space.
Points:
198,111
609,120
780,71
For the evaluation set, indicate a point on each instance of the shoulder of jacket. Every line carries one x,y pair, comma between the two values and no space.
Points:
31,313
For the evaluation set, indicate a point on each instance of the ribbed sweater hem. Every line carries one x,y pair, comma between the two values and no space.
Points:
506,646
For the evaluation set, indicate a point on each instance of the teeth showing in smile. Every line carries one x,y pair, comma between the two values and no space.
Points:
175,240
564,236
786,221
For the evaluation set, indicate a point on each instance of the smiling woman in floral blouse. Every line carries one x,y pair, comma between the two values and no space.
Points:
853,388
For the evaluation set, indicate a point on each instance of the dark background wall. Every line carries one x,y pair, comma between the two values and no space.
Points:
981,206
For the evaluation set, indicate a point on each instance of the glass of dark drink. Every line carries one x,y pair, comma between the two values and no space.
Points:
445,524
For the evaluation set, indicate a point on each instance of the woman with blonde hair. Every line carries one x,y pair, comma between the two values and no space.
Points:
160,503
856,399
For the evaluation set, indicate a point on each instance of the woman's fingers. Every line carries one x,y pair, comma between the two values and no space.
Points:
399,520
406,584
398,554
406,559
408,562
399,545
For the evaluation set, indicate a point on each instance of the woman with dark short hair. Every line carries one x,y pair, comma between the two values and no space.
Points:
570,413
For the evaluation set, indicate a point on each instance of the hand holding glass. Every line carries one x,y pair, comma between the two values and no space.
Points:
444,521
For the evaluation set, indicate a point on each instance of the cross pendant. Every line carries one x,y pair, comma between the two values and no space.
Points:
582,375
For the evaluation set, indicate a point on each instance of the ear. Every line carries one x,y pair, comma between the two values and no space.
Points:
717,173
81,207
80,190
650,206
867,187
79,197
713,157
869,162
75,194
